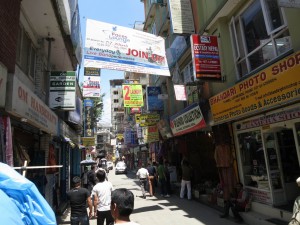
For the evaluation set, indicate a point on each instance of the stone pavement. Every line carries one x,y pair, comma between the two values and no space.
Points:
157,210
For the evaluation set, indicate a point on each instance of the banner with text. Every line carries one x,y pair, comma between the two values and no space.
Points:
276,85
91,82
109,46
62,90
206,59
133,95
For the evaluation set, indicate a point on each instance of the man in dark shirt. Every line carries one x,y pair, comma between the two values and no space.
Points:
152,175
78,198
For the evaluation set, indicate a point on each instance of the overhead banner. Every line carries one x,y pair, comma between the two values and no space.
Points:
109,46
188,120
62,90
206,59
276,85
182,17
132,95
153,102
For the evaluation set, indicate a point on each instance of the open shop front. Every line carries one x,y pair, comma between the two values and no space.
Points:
268,149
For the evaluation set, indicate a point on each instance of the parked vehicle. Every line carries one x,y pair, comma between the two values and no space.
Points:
121,168
110,165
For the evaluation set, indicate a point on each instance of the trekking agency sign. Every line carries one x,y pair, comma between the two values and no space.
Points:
109,46
133,95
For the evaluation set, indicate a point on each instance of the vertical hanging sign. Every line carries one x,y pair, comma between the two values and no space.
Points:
206,59
133,95
88,117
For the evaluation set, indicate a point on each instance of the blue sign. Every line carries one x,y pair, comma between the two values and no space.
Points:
153,103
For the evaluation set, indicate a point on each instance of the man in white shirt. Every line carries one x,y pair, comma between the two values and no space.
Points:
143,176
102,193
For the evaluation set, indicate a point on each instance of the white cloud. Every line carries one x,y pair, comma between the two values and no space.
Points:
106,116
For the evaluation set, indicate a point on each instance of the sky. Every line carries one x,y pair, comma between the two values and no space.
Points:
119,12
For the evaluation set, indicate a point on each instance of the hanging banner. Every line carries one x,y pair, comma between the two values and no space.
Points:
206,59
88,118
188,120
109,46
153,102
180,93
133,95
182,17
62,90
91,82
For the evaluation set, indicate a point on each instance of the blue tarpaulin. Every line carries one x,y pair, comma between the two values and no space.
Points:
21,202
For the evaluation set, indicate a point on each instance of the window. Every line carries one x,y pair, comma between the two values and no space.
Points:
116,100
115,92
258,35
153,28
26,53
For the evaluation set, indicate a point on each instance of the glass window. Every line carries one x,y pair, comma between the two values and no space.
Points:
253,159
258,35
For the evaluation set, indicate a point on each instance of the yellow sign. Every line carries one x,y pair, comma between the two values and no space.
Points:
88,141
145,120
120,136
150,134
275,85
133,95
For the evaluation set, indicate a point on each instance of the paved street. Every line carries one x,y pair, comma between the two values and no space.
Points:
161,211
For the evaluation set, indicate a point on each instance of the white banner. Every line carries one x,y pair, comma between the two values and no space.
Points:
91,86
180,92
109,46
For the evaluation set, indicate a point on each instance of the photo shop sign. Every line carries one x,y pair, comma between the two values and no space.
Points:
188,120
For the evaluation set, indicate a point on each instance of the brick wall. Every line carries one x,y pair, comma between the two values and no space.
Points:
9,23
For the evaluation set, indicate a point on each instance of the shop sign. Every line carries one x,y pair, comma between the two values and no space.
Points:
24,103
62,90
132,95
270,119
153,102
91,83
150,134
188,120
260,196
88,117
164,129
181,16
180,92
88,141
276,85
3,81
147,119
205,56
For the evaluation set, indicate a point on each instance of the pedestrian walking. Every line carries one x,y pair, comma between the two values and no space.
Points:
102,194
162,179
152,174
143,175
168,179
186,179
78,198
91,176
122,204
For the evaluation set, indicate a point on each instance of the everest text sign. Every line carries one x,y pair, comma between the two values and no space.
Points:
109,46
133,95
275,85
24,103
188,120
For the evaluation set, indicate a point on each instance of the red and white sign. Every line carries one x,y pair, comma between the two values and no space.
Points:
188,120
206,59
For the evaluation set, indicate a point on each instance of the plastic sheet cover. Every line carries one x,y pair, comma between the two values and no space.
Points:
21,202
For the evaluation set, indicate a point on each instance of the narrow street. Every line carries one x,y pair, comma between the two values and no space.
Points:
159,211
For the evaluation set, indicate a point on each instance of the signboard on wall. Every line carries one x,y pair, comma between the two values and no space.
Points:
124,49
147,119
133,95
276,85
182,20
180,92
188,120
206,59
62,90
